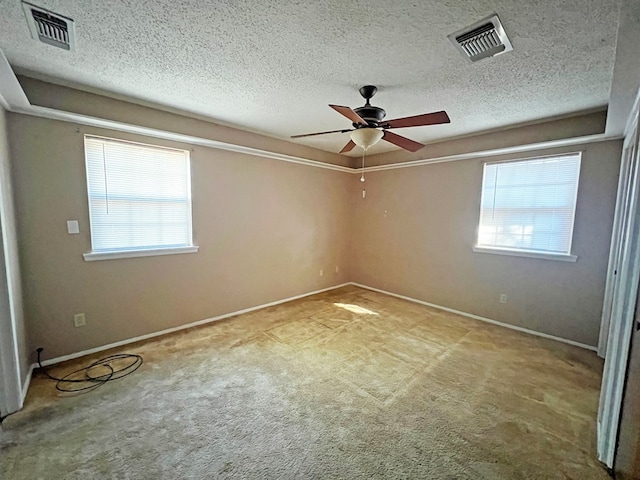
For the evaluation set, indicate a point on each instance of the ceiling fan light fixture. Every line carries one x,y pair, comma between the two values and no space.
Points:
366,137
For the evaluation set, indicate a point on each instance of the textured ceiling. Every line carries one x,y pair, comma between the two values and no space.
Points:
273,66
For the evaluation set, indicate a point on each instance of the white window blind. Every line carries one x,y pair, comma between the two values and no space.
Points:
529,205
139,196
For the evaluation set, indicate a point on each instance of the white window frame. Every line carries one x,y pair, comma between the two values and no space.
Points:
138,252
521,252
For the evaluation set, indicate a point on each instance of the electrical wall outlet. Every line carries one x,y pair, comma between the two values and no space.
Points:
79,320
337,268
321,272
503,298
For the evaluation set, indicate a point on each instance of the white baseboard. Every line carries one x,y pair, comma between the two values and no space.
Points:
121,343
483,319
128,341
25,385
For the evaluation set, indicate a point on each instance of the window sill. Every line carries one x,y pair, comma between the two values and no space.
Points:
520,253
92,256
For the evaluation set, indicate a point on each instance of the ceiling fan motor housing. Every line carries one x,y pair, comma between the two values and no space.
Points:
371,114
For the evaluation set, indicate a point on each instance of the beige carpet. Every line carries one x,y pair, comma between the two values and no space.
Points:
347,384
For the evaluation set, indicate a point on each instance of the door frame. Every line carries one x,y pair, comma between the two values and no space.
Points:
622,296
10,381
11,394
614,266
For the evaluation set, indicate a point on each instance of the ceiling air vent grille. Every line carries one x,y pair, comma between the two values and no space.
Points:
49,27
483,39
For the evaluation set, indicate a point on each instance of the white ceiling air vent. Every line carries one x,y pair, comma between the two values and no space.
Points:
49,27
483,39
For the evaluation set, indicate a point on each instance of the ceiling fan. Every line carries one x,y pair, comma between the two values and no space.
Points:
369,125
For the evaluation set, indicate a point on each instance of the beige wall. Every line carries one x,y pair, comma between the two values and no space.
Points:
265,228
9,264
414,232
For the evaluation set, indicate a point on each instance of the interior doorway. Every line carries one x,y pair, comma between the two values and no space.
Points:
620,294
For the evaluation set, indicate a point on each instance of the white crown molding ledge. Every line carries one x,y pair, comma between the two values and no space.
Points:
13,99
11,94
53,114
565,142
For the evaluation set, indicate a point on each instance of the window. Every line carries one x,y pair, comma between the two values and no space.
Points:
139,199
528,207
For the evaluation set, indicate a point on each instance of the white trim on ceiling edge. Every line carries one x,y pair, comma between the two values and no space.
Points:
11,91
121,343
13,98
483,319
53,114
565,142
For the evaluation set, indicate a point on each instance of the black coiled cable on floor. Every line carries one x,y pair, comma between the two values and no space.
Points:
87,381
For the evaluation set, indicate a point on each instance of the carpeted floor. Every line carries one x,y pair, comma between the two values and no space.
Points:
349,384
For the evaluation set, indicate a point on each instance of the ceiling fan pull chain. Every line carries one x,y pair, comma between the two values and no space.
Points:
362,176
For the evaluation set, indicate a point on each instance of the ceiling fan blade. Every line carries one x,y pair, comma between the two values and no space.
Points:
349,113
321,133
348,147
434,118
401,141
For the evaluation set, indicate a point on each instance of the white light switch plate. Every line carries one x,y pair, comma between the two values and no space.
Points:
72,227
